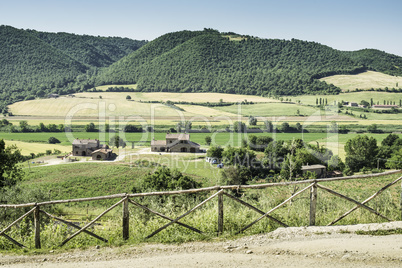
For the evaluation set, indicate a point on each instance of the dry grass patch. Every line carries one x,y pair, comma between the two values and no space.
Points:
364,80
30,147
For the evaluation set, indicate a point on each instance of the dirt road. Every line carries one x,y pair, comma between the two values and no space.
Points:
285,247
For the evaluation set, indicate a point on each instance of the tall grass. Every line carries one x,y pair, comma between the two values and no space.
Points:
236,216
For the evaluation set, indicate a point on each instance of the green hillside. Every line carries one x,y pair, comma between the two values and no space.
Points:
29,66
33,64
90,50
209,61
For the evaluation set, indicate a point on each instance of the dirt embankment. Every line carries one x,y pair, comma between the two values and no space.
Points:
286,247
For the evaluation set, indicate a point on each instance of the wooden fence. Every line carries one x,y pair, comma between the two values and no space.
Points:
219,192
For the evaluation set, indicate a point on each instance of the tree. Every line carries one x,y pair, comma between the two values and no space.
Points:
90,127
299,127
372,128
285,127
117,141
208,140
238,156
165,179
252,121
333,128
53,128
10,171
24,127
215,152
365,103
390,140
361,151
42,127
239,127
132,128
235,176
268,126
53,140
395,162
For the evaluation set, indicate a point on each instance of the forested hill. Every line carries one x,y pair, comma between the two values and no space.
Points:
91,50
28,66
33,64
225,62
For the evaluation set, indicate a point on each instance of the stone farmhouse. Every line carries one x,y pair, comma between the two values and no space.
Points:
82,147
179,142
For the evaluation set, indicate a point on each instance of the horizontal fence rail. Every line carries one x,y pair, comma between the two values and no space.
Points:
219,192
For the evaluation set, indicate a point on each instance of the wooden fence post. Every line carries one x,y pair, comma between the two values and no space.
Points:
37,227
126,219
401,201
313,204
220,213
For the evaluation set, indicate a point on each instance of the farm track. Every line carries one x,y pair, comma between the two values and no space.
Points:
336,246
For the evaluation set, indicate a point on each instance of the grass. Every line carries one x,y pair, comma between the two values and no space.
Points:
114,104
69,181
30,147
196,97
351,97
366,80
380,232
90,105
83,179
274,109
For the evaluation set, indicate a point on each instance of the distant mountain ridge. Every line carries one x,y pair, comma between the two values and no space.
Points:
33,64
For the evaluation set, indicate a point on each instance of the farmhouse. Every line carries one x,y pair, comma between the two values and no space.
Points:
179,142
91,148
320,170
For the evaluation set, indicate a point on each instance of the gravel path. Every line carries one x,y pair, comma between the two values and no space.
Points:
286,247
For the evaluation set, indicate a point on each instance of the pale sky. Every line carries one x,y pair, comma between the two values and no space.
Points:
341,24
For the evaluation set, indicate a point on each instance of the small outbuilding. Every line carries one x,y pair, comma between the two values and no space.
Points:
102,154
319,170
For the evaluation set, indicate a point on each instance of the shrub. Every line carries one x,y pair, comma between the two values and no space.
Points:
165,179
53,140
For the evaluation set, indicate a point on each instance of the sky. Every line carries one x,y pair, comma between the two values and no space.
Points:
344,25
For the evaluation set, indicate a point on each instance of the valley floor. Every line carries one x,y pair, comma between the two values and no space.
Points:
337,246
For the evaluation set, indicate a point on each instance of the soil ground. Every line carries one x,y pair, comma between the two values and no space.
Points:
336,246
